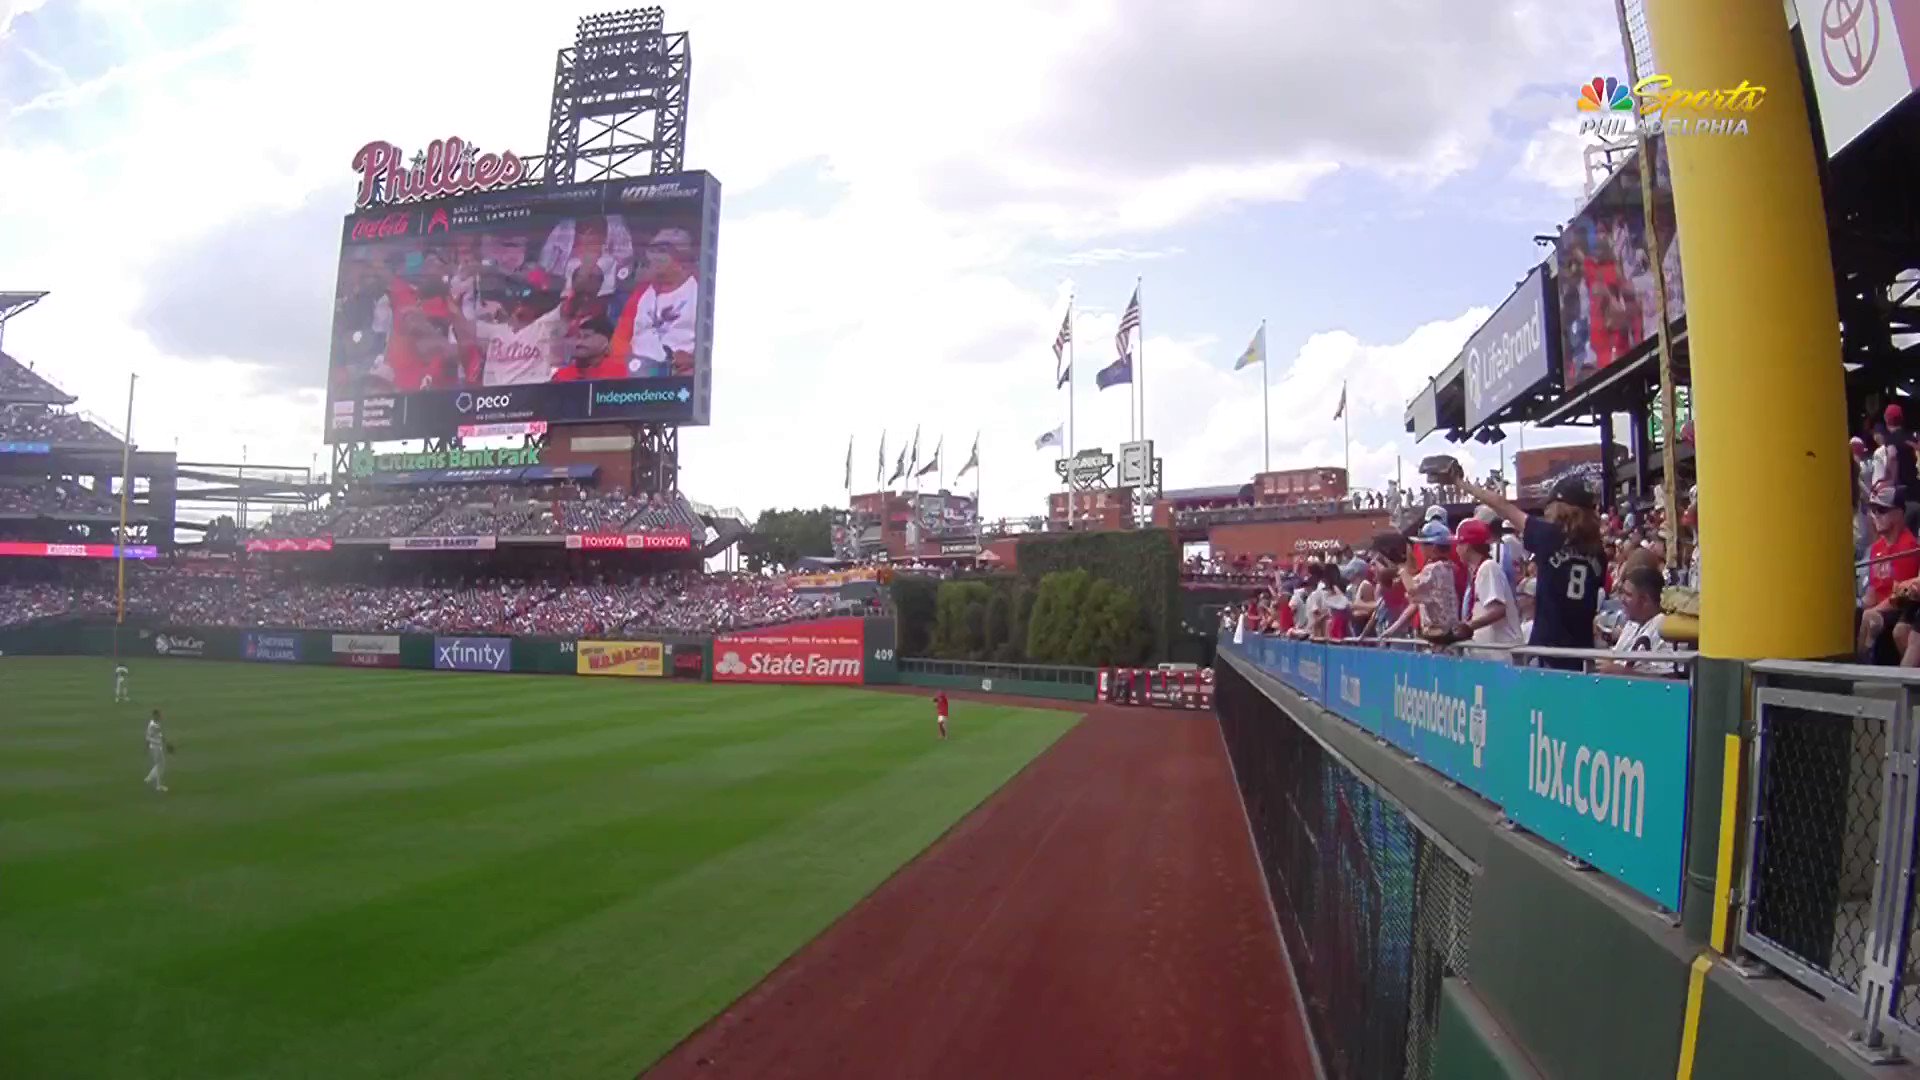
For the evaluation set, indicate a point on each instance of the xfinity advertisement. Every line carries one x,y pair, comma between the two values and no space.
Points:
473,654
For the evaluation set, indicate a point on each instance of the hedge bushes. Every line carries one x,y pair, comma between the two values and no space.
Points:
1144,562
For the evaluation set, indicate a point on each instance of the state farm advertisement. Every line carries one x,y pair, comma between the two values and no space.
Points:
826,651
669,540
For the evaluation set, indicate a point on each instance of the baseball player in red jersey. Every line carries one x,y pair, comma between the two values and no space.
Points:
940,712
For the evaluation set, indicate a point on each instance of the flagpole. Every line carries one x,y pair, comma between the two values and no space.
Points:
120,542
1266,396
1140,364
1070,435
1346,429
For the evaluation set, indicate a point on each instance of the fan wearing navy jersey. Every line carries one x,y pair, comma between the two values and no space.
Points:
1569,564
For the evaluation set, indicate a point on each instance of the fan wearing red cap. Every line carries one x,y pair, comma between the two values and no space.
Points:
1900,469
1490,612
1893,558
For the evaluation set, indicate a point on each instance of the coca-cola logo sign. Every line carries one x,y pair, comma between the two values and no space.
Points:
446,167
380,228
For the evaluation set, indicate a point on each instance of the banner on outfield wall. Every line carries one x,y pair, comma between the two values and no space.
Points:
647,659
473,653
271,648
291,543
1596,764
367,650
179,645
823,651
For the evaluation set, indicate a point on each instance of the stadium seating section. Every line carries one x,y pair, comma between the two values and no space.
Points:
186,593
19,383
486,511
52,498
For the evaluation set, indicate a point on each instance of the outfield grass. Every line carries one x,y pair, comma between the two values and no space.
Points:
415,874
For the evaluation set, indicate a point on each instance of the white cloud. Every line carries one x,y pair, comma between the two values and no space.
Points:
970,151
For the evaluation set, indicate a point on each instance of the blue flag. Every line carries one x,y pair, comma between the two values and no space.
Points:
1118,373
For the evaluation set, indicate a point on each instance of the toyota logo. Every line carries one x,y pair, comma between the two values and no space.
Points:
463,402
1849,38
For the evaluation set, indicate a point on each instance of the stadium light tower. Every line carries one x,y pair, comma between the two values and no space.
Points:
619,100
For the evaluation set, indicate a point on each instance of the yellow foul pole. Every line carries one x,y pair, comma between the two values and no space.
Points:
1763,330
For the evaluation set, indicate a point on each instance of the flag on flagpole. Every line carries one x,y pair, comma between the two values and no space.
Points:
1118,373
973,459
1256,350
1062,371
899,467
1129,322
913,456
849,480
935,462
1056,437
880,470
1342,410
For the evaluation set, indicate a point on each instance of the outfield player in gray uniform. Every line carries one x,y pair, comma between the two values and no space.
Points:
157,750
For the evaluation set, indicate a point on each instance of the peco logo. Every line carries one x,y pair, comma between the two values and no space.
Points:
395,224
465,402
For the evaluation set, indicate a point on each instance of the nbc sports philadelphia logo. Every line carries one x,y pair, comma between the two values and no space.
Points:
1608,108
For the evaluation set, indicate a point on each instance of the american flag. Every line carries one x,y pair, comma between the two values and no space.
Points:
1129,321
1065,335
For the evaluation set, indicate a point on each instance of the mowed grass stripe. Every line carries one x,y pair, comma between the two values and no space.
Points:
337,809
569,902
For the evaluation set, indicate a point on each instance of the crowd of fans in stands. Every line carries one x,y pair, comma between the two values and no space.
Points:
1565,577
489,510
52,497
19,383
36,423
188,593
1393,499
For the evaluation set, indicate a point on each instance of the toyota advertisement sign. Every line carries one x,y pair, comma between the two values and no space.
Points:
826,651
473,654
662,540
1513,352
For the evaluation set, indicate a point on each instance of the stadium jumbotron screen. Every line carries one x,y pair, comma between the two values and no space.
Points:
523,306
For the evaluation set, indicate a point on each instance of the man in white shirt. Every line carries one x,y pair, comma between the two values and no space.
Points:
120,684
1640,596
526,346
657,331
156,753
1489,609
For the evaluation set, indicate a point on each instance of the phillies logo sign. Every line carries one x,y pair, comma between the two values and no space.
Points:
447,167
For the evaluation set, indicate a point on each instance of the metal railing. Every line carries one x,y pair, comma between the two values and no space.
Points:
1641,664
1037,673
1826,896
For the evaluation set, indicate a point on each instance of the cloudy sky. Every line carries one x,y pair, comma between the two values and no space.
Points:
912,192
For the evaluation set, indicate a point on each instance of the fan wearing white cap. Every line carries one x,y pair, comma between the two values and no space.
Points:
1432,596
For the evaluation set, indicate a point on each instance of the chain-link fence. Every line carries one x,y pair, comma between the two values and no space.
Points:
1817,796
1828,889
1375,914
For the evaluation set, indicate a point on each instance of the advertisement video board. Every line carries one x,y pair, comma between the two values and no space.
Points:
1608,306
524,307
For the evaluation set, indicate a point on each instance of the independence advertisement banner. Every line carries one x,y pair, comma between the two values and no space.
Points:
367,650
524,306
473,654
828,651
271,648
1596,764
645,659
